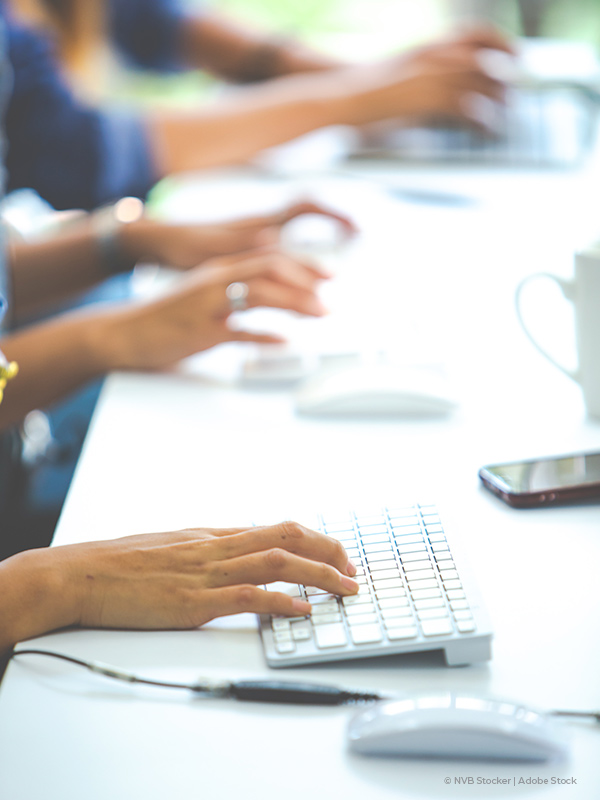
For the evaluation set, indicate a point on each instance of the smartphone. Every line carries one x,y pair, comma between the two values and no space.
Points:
545,481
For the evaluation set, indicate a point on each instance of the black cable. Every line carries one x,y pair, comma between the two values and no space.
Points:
259,691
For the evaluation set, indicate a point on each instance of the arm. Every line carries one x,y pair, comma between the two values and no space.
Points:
433,82
239,54
48,271
178,580
58,356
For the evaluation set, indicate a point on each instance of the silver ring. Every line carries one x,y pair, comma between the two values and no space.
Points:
237,294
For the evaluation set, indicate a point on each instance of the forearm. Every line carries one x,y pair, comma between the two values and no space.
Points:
240,54
50,270
55,358
35,597
237,127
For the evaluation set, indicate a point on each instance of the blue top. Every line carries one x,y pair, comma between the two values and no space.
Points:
73,155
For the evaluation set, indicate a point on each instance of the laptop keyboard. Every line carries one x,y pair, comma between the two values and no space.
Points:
553,127
415,594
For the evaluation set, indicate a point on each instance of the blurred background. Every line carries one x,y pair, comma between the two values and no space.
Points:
362,29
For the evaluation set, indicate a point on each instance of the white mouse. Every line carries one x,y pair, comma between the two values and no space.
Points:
457,726
374,390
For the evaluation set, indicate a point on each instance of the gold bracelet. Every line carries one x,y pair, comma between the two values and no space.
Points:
8,370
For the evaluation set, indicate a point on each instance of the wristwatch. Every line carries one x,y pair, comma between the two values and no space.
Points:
108,222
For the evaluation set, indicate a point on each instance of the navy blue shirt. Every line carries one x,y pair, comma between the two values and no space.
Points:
73,155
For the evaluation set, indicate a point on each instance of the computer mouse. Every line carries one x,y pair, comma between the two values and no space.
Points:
374,390
457,726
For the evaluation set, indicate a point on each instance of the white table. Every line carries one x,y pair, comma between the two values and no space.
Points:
193,448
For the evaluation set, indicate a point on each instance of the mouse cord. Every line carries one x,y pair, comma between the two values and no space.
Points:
264,691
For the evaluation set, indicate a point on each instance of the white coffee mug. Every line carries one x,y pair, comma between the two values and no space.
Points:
583,291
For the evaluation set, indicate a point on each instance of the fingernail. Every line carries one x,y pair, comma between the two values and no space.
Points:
351,568
349,584
301,606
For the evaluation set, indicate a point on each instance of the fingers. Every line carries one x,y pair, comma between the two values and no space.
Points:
290,536
270,294
277,564
248,598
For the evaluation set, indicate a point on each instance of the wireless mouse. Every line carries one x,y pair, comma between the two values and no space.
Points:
368,390
457,726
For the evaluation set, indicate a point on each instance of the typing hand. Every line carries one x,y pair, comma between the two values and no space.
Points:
185,578
186,246
194,315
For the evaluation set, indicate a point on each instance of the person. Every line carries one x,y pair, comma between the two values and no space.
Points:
82,156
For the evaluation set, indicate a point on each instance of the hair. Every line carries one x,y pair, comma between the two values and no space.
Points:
79,26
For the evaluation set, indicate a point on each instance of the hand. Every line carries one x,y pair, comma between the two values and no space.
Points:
194,316
186,578
439,80
186,246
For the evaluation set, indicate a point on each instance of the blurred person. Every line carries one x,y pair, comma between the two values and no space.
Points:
72,349
83,156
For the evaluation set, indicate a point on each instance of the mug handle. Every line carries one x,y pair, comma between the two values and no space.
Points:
567,289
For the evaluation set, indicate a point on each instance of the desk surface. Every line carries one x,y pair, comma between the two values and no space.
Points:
193,448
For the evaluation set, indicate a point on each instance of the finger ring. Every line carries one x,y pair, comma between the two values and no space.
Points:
237,294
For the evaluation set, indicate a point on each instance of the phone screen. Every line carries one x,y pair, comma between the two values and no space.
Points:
546,474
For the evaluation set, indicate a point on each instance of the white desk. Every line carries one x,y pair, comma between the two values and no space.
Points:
192,448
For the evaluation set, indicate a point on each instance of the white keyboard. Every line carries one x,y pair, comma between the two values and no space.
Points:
416,594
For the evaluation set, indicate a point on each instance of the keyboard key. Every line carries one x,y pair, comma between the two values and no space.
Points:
360,610
383,551
366,634
436,538
413,566
391,614
434,602
330,636
408,558
282,636
324,619
363,619
425,594
301,633
417,547
438,547
466,626
455,594
383,574
409,632
433,528
369,520
453,584
314,590
420,584
285,647
436,627
383,594
443,556
368,530
448,574
433,613
357,600
376,567
404,529
393,602
380,582
464,615
325,608
419,575
458,605
280,624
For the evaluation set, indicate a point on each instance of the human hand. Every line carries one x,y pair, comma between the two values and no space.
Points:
185,578
194,315
441,80
186,246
